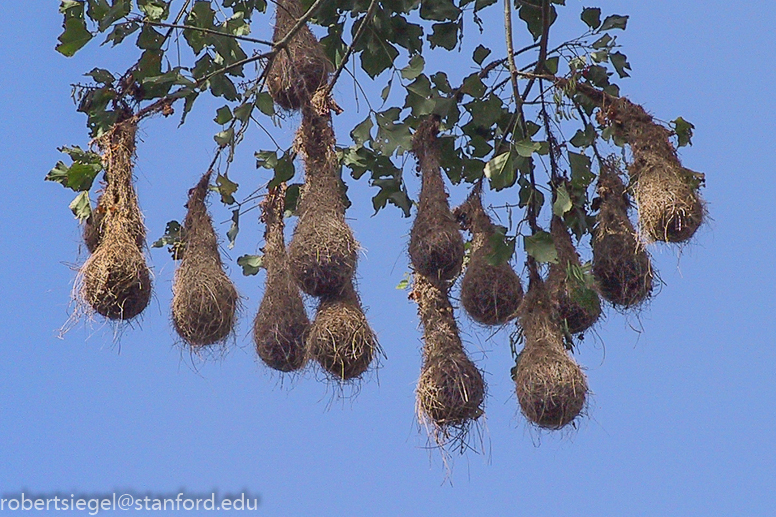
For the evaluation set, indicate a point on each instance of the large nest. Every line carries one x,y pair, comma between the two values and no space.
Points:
575,302
621,264
115,280
204,301
550,385
323,251
451,389
340,338
436,245
300,68
281,325
490,294
670,207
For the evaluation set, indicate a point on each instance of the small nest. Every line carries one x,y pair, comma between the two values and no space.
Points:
115,280
436,246
205,301
451,389
302,67
281,325
489,294
340,338
323,250
575,303
670,207
551,387
621,264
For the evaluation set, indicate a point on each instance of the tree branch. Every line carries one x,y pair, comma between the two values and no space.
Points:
361,28
173,26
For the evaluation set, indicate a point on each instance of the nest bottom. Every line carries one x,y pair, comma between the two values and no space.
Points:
451,389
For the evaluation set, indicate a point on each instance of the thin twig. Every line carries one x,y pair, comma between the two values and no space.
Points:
173,26
349,51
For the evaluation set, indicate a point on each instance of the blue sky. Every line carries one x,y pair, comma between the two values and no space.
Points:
682,416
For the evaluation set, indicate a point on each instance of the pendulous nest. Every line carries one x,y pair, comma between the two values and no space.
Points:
323,250
574,300
205,301
300,68
115,280
340,338
436,245
621,264
670,207
93,227
451,389
490,294
551,387
281,325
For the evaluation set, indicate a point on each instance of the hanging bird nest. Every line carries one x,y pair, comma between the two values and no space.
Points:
205,301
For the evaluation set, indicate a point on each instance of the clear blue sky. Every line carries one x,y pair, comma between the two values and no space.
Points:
682,417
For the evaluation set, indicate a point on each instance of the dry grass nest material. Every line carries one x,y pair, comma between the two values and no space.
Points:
340,337
451,389
551,387
575,302
281,325
621,264
205,301
490,294
115,280
302,67
670,207
323,250
436,245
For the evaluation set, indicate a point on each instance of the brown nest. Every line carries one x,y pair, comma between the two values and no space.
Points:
436,245
281,325
115,280
340,338
670,207
205,301
93,227
300,68
621,264
550,385
574,301
451,389
323,251
490,294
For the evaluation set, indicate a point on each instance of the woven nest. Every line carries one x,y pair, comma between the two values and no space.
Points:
670,207
205,301
298,70
621,264
281,325
490,294
575,303
551,387
340,338
115,280
436,245
93,228
323,250
451,389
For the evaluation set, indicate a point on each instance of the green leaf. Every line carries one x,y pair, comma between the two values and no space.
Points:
603,42
683,130
74,37
532,16
155,10
266,159
562,202
502,247
284,170
526,148
251,264
584,138
120,32
223,115
439,10
243,111
551,64
581,175
444,35
480,54
592,17
172,235
620,63
418,97
265,103
473,86
500,170
360,133
414,68
82,206
231,234
118,10
150,39
541,247
614,22
224,138
292,198
405,282
226,188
